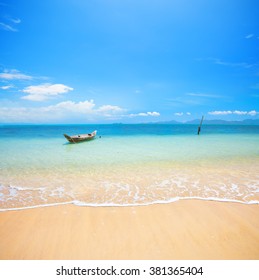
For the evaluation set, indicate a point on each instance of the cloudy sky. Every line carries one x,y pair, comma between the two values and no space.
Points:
105,61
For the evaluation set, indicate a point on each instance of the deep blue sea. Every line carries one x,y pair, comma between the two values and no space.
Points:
127,164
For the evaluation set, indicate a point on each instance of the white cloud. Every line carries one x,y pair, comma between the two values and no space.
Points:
110,110
14,75
231,64
249,36
153,114
10,25
220,113
15,20
203,95
87,108
61,112
44,91
178,114
236,112
82,107
6,87
67,111
7,27
147,114
253,113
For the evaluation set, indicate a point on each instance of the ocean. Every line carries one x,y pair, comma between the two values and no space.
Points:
127,164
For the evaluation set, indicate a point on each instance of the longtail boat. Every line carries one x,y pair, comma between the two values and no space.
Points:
80,137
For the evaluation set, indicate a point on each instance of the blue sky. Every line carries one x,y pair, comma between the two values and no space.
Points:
105,61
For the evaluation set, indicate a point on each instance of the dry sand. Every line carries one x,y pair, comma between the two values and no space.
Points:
182,230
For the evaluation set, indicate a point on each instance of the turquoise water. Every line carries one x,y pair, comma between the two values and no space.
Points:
127,165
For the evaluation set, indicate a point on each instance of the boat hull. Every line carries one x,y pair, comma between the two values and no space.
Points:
80,137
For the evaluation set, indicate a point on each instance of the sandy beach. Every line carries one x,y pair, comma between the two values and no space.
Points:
182,230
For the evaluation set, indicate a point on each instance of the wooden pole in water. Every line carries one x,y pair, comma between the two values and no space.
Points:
199,128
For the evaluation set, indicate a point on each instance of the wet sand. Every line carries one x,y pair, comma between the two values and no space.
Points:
188,229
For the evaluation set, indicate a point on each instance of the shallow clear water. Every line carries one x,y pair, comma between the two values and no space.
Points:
128,165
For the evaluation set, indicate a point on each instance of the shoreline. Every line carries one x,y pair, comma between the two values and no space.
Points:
176,199
186,230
